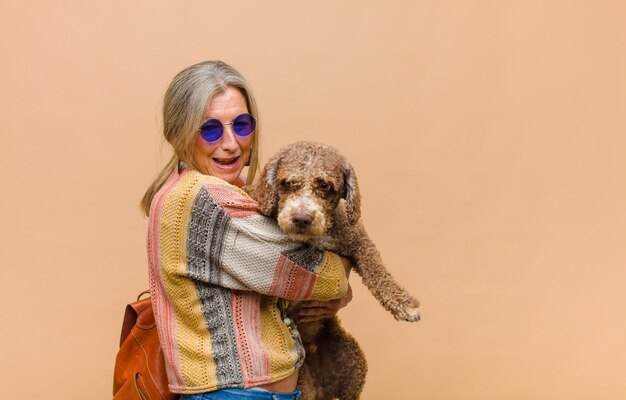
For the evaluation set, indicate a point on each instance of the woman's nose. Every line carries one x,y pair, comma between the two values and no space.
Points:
228,141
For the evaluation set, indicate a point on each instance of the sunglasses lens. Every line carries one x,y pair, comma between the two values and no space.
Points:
244,124
212,130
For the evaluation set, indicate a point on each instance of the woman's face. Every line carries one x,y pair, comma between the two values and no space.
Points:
226,157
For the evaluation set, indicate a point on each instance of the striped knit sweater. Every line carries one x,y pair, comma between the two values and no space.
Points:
217,271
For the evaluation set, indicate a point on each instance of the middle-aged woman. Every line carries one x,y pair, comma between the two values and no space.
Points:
219,270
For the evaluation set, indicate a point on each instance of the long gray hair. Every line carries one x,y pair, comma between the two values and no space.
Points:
184,109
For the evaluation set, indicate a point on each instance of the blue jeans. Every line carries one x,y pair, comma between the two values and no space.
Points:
249,394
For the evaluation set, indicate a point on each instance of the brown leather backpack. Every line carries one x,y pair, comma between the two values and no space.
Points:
140,366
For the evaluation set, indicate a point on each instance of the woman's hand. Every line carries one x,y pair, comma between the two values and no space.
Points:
315,310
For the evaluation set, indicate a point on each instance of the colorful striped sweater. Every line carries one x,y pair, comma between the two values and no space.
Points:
217,271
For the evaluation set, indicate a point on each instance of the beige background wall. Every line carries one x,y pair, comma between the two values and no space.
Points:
488,137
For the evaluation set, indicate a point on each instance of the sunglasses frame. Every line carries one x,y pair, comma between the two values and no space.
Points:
223,124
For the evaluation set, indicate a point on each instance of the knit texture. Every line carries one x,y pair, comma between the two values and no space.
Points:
217,271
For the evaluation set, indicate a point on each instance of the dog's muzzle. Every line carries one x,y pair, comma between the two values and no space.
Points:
302,218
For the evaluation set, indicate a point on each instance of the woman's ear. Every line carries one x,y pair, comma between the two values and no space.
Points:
265,191
351,194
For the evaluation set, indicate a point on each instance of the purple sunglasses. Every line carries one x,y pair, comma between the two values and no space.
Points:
212,129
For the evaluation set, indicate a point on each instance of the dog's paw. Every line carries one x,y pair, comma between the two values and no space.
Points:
409,314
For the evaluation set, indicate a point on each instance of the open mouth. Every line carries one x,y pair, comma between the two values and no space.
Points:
226,163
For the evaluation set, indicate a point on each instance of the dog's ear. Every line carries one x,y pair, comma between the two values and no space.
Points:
266,191
351,194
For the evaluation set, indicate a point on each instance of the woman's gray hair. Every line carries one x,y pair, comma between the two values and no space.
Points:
184,107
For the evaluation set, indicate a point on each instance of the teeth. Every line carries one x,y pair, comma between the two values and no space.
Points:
225,162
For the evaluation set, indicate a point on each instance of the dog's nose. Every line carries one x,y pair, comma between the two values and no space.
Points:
302,220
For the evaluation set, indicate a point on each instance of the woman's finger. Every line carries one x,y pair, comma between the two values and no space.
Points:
321,304
314,311
315,303
316,317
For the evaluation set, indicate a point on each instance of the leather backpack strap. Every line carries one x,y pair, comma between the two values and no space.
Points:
131,313
130,317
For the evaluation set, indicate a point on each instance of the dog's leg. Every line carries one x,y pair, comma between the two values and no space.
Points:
341,362
382,285
306,383
369,265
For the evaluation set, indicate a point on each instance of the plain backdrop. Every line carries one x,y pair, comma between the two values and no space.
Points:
488,138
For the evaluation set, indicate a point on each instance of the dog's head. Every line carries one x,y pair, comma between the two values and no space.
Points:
303,184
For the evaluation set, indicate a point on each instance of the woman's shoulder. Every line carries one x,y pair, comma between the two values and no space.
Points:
213,184
192,187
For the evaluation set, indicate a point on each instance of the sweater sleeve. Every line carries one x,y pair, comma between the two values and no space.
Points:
231,245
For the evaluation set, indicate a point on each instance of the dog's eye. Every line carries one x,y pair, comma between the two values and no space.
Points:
325,186
286,185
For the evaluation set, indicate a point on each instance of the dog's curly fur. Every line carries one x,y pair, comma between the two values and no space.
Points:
312,191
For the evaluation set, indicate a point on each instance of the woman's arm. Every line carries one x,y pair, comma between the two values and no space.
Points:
314,310
230,244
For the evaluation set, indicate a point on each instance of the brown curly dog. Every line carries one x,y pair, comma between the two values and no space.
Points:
312,191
